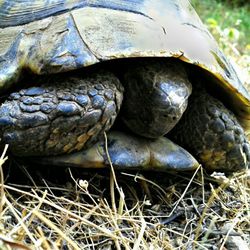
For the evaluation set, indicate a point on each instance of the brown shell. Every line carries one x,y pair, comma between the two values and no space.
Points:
55,36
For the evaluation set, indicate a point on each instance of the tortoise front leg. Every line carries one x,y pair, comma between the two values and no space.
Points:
62,116
212,134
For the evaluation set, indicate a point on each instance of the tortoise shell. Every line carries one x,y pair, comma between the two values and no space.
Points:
56,36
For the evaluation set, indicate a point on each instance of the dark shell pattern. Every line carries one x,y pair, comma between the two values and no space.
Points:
38,34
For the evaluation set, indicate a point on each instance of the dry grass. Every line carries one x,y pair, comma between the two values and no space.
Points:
109,210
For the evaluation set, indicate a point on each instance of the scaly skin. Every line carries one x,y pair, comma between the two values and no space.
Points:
67,115
212,134
156,96
62,117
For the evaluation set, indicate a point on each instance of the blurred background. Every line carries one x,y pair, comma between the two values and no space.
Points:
229,22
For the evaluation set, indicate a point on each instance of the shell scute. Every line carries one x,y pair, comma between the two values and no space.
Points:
62,35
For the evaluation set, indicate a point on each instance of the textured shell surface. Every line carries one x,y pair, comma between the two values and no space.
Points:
51,36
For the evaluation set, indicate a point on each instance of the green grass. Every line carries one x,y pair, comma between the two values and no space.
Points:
226,15
229,22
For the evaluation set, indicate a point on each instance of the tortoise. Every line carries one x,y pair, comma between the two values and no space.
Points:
67,68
